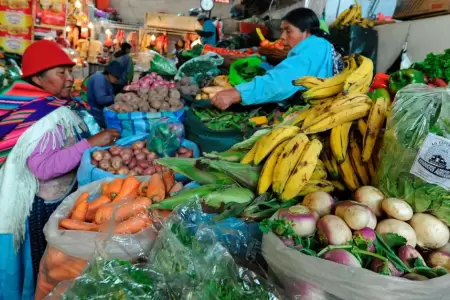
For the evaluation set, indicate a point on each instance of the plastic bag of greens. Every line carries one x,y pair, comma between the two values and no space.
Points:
245,69
188,261
166,137
414,161
160,64
200,65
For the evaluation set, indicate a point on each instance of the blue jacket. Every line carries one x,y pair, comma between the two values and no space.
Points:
208,26
100,94
127,63
311,57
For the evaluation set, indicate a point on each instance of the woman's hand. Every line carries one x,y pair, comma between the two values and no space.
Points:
224,99
105,138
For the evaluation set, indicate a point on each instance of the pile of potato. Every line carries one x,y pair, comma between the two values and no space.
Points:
134,160
187,87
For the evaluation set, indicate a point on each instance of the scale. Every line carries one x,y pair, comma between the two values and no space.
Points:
207,5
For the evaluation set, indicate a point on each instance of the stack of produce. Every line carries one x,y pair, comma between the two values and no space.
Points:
374,232
134,160
223,120
352,16
435,67
227,52
218,84
186,86
273,50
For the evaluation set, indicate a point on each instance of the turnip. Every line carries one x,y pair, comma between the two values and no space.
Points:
415,277
303,218
332,230
439,259
397,208
342,206
288,242
372,220
343,257
385,267
398,227
431,232
408,254
370,196
357,217
320,202
368,235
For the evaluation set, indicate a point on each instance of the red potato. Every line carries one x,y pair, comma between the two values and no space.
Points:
138,145
152,156
107,155
158,168
111,170
138,170
105,164
94,162
182,150
141,156
149,171
146,151
133,163
143,164
127,156
137,151
116,162
97,155
115,150
126,151
133,173
123,170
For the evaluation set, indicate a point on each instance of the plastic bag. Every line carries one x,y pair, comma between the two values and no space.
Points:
200,66
308,278
185,263
414,163
88,173
162,65
166,138
135,123
68,251
245,69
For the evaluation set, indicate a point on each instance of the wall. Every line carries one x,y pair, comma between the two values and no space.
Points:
386,7
133,11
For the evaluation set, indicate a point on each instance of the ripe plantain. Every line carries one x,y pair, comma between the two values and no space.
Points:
303,170
339,140
248,158
359,75
308,82
357,163
375,121
317,186
348,175
265,178
268,142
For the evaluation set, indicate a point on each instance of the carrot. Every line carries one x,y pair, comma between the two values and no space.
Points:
114,187
143,189
60,274
133,224
105,189
83,197
129,189
54,257
156,189
78,225
169,180
95,205
135,207
104,213
79,212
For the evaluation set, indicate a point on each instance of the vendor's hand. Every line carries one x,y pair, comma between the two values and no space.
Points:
105,138
224,99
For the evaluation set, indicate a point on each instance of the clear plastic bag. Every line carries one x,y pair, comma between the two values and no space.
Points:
153,61
68,251
166,137
309,278
414,161
200,66
187,262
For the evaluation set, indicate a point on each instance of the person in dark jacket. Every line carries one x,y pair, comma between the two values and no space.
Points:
100,90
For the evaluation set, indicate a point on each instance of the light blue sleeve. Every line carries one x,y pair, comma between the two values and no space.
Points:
276,85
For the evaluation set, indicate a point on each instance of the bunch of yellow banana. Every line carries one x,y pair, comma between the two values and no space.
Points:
360,79
352,16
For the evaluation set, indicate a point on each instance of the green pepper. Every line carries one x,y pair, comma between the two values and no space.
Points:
380,93
402,78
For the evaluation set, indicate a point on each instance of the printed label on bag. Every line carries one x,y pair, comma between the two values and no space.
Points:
432,163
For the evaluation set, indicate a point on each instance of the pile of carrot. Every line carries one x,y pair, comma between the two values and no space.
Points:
125,201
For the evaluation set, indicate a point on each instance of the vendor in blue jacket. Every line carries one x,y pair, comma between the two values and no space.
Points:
100,89
209,32
310,55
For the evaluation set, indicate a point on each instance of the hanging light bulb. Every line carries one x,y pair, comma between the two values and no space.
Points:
153,37
108,32
90,25
68,29
78,4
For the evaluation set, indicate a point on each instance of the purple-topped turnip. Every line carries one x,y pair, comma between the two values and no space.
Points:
367,234
332,230
408,254
380,266
303,218
370,196
320,202
342,257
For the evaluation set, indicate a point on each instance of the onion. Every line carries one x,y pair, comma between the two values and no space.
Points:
370,196
303,218
320,202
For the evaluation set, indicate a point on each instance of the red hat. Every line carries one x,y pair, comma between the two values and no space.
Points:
43,55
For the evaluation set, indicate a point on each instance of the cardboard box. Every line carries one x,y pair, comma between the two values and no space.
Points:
410,9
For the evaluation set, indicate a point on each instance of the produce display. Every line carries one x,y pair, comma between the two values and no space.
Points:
218,84
435,67
224,51
186,86
134,160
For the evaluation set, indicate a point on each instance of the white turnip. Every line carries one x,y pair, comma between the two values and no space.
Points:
439,259
380,266
320,202
332,230
370,196
342,206
397,208
343,257
357,217
398,227
408,254
367,234
431,232
303,218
